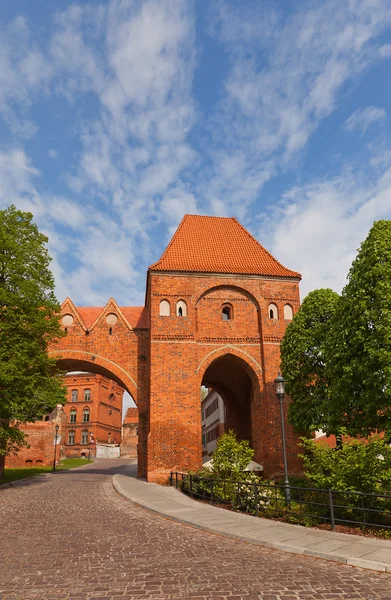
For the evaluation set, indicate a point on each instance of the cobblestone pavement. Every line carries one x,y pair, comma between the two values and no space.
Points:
70,536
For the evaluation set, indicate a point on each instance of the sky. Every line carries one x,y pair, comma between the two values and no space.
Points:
118,117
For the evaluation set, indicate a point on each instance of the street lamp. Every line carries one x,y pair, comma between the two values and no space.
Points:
57,427
280,393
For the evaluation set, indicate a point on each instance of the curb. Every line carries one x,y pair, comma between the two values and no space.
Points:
352,562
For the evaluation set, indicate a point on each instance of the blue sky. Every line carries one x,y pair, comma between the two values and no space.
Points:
118,117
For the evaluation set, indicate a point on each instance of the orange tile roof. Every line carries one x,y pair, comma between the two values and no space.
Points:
89,314
131,415
136,316
218,245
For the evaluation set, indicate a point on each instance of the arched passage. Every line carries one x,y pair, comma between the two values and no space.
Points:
237,383
70,360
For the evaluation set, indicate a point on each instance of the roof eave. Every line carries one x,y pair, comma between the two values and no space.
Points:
294,276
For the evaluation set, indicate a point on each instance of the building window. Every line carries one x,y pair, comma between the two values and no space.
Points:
212,435
74,396
227,313
71,437
211,408
72,416
84,436
164,308
86,415
181,309
87,395
288,312
273,311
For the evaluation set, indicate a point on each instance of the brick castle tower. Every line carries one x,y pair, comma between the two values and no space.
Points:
216,307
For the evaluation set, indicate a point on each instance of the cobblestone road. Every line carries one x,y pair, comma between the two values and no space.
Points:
72,537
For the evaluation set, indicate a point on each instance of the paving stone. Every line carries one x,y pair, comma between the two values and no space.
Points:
72,537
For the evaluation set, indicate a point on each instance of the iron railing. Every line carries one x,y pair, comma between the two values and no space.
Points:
308,505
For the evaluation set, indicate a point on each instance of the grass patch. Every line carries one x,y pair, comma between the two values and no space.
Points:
22,473
72,463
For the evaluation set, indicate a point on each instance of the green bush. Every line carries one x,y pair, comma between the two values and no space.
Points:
357,466
227,482
231,456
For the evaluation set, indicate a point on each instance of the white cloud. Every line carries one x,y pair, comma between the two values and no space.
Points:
136,61
126,70
177,203
363,118
273,106
319,226
385,51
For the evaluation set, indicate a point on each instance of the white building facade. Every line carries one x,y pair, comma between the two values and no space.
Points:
213,422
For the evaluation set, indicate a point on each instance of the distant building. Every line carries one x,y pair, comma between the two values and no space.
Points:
213,422
130,434
93,415
40,435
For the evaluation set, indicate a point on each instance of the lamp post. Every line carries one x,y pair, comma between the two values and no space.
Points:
55,446
280,393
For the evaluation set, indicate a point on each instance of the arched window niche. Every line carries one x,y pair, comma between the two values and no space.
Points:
288,312
272,311
227,312
181,308
164,308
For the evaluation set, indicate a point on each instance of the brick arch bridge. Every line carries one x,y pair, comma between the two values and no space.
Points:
161,355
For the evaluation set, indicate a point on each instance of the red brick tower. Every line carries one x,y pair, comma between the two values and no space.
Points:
218,305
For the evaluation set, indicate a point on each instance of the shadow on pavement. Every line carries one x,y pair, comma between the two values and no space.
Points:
104,467
98,467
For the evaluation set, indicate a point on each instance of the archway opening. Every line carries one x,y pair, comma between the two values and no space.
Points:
226,395
97,412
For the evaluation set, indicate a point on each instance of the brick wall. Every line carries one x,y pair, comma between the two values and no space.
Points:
40,439
130,434
239,358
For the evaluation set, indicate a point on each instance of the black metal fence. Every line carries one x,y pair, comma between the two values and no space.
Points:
307,505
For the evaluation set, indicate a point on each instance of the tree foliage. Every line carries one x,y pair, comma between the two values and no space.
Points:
336,352
356,466
231,456
303,361
359,341
28,323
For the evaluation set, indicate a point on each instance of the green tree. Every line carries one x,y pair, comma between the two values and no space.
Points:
231,456
29,321
356,466
358,352
303,362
